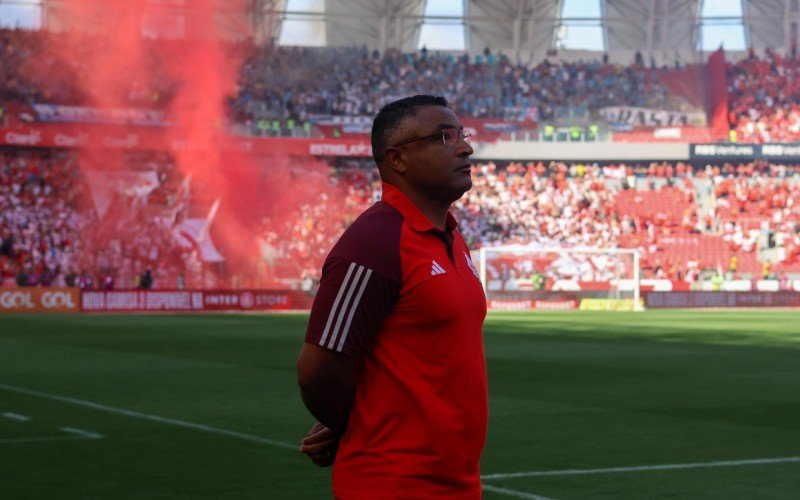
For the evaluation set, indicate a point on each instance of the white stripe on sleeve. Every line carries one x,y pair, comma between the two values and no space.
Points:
353,310
350,289
336,303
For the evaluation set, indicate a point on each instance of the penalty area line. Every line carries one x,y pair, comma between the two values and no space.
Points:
514,493
81,432
150,417
16,416
644,468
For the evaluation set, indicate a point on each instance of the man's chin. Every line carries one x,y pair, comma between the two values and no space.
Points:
463,188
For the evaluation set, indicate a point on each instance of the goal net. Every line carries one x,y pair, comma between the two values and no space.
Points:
519,277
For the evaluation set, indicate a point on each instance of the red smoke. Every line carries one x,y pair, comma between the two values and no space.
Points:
191,78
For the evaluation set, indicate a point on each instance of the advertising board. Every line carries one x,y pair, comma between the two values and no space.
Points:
38,300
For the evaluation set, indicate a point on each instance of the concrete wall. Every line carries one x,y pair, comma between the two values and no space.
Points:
580,151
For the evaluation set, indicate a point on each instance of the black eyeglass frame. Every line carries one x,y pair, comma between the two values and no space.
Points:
464,136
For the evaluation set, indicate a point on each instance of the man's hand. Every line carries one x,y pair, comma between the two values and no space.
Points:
320,444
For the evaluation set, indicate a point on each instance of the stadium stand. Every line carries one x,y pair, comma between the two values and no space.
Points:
673,212
50,231
51,228
575,205
40,223
294,83
764,96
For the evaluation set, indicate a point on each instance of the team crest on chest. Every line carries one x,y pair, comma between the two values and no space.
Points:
472,266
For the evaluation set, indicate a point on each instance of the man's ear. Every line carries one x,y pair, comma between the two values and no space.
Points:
395,161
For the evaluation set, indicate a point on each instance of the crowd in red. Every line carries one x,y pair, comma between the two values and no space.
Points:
295,244
40,219
655,208
764,97
681,219
51,233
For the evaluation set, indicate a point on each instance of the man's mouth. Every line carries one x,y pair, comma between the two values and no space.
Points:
466,166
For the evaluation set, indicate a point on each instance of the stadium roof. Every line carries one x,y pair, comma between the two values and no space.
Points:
522,29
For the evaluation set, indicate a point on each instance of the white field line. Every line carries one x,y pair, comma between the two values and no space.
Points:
44,439
16,416
644,468
152,418
513,493
83,433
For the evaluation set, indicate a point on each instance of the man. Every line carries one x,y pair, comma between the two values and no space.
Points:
146,281
393,366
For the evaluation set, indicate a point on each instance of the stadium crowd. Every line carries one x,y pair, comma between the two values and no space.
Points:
750,206
47,235
764,97
51,233
558,204
40,219
279,82
303,237
295,83
38,66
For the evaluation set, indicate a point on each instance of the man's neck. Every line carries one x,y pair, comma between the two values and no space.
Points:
435,211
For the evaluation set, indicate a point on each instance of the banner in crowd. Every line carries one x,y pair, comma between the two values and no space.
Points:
193,300
718,99
482,129
83,114
745,152
663,134
645,117
103,186
44,135
39,300
345,124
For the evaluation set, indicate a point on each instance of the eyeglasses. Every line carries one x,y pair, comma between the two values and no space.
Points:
450,137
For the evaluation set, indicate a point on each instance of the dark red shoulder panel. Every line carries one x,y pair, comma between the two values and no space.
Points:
360,283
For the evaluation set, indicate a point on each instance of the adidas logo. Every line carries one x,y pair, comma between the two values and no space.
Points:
436,269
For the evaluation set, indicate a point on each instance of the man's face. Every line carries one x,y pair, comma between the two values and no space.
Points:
442,171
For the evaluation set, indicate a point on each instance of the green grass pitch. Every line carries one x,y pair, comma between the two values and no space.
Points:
672,404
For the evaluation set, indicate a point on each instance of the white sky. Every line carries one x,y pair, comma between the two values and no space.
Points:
727,33
442,34
19,15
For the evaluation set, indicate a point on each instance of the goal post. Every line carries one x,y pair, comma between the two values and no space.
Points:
534,277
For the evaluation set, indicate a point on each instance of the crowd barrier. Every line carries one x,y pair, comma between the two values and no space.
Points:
193,300
44,300
601,300
721,299
61,300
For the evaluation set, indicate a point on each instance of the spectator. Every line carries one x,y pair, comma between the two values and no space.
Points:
146,281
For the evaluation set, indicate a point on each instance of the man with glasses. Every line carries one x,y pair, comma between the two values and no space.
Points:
393,365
